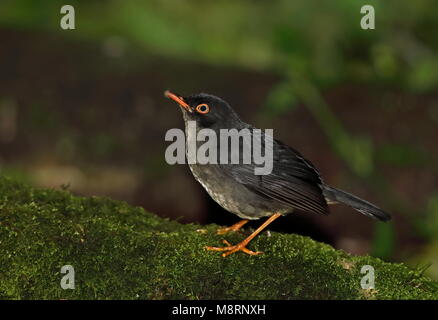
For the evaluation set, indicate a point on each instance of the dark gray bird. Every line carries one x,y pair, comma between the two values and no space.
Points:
294,182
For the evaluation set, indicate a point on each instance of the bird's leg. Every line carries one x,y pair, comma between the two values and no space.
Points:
234,227
242,245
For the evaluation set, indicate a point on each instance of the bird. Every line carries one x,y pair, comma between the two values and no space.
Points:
293,184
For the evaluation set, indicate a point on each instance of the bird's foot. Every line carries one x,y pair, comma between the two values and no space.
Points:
232,249
225,230
234,227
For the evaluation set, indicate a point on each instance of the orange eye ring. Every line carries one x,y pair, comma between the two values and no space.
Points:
203,108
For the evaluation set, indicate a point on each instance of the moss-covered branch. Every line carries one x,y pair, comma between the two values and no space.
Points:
122,252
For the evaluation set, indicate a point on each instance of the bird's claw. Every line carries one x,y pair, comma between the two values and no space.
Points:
234,248
225,230
234,227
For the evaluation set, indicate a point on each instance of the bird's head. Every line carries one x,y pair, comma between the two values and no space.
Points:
207,110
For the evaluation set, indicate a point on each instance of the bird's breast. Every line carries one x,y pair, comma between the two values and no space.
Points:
230,194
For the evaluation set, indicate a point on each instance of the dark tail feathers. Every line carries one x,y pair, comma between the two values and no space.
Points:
364,207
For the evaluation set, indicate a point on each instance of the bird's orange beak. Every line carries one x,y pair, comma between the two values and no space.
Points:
178,100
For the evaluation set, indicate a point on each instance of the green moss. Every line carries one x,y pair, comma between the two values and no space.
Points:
123,252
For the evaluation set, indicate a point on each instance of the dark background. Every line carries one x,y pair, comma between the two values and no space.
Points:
84,109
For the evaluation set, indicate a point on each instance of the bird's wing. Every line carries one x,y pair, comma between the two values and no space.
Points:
293,182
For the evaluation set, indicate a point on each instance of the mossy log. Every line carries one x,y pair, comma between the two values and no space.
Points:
124,252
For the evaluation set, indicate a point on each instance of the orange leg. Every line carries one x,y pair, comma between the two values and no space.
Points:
234,227
242,245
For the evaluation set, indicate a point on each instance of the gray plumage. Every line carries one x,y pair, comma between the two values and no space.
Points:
294,182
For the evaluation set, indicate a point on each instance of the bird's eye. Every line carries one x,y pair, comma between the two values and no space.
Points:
203,108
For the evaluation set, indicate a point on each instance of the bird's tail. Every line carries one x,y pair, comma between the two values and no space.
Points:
335,195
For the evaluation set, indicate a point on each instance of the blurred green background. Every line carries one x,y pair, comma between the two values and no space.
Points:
83,109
